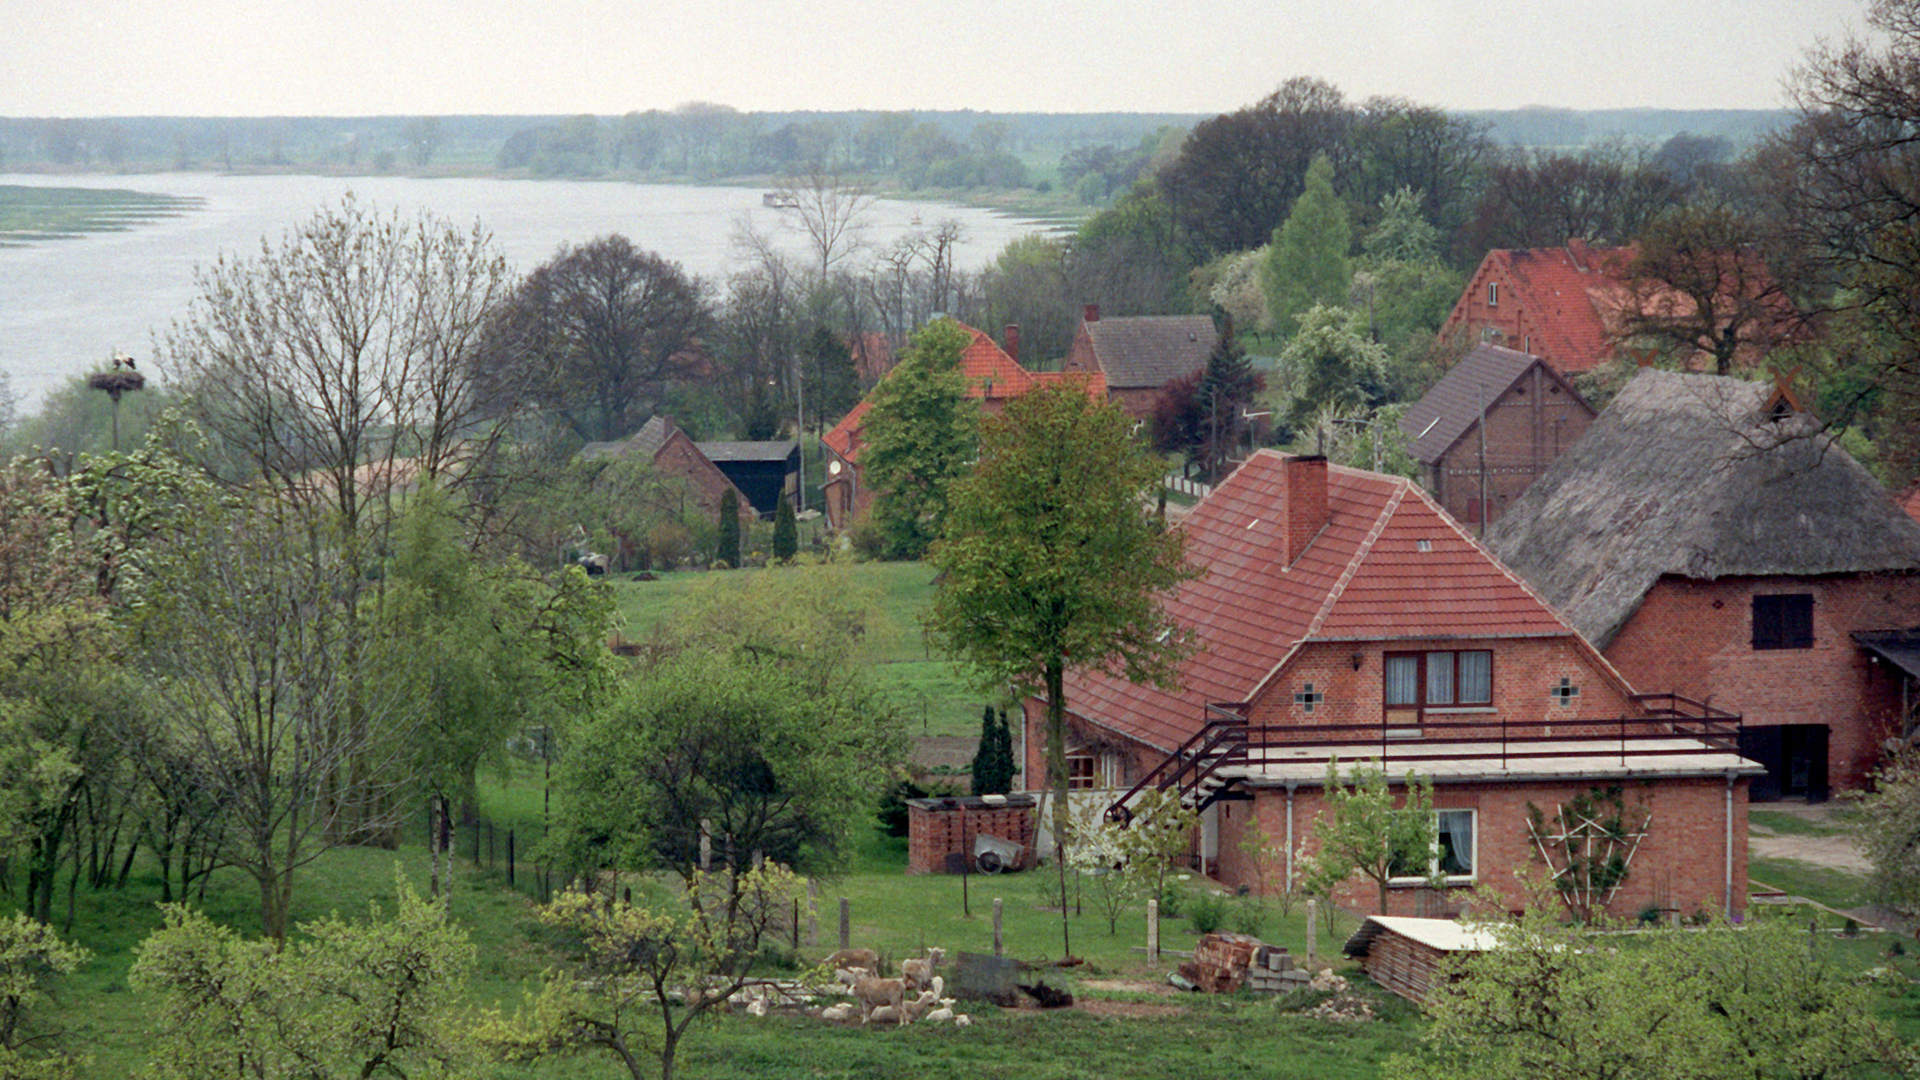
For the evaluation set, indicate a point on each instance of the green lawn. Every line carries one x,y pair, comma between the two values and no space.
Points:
50,213
1786,824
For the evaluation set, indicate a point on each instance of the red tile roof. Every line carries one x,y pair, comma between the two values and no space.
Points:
1551,293
1362,578
992,376
1910,502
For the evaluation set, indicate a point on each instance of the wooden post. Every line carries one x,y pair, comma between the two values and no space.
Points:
999,940
813,912
796,924
846,923
1153,931
509,858
706,844
1313,937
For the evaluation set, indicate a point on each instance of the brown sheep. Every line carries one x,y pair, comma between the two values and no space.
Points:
873,993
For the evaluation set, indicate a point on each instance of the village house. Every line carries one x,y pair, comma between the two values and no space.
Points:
1712,540
1137,355
764,471
1579,306
1344,616
1489,427
994,377
663,445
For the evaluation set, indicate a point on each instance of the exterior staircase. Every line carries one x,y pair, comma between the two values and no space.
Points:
1193,770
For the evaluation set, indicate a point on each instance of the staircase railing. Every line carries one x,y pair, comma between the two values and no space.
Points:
1219,743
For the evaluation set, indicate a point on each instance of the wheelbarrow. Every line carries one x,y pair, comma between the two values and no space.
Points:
992,854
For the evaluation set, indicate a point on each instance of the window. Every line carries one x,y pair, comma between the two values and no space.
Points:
1307,697
1783,621
1452,852
1439,679
1564,693
1493,294
1079,772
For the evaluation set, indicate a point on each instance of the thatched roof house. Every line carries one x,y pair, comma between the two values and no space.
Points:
1711,538
1702,477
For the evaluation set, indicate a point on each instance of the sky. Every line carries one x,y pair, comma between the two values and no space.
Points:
82,58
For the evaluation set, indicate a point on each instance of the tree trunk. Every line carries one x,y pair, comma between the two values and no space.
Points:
1057,780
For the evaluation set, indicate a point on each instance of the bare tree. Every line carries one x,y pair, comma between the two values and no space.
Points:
830,209
257,662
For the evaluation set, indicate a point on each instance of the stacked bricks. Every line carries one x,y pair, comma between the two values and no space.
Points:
939,828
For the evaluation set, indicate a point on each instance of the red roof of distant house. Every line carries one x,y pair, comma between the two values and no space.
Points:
992,376
1555,288
1910,502
1362,578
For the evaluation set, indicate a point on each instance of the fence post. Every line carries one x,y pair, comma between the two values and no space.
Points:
706,844
846,923
489,843
813,912
509,857
1313,937
999,941
1153,931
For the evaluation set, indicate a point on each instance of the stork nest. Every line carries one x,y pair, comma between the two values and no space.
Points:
117,382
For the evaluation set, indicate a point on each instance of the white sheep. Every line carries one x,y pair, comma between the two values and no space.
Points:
883,1013
919,973
942,1014
757,1007
838,1012
918,1007
963,1020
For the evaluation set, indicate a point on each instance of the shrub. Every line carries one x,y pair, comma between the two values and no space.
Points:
1173,900
1209,912
1249,916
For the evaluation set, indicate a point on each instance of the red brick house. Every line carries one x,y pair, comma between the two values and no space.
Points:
1711,539
662,444
1140,354
994,378
1575,306
1531,413
1345,616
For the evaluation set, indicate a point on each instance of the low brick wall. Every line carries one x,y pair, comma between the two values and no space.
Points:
939,828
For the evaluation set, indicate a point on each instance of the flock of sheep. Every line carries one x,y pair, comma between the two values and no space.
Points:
914,996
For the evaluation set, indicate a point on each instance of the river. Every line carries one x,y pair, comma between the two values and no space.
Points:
66,305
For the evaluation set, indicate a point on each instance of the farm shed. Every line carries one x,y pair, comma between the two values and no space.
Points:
942,833
1403,954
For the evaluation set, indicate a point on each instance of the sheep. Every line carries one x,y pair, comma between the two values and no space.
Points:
873,993
919,972
963,1020
914,1009
942,1014
883,1014
838,1012
757,1007
855,958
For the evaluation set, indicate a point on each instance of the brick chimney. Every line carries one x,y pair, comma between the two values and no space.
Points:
1304,512
1090,313
1013,341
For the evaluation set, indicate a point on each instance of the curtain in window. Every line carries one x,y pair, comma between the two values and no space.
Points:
1476,678
1439,678
1456,842
1403,680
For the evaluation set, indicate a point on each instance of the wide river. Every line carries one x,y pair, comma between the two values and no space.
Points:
67,305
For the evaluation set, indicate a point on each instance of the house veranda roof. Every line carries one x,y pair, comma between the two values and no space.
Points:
1694,476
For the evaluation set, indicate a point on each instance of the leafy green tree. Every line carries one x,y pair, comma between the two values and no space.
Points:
1551,1001
922,435
1885,822
31,957
832,384
1308,263
642,975
1367,830
1050,558
727,547
751,750
1337,366
382,996
786,531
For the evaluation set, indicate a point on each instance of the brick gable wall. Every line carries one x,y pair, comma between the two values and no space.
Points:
705,482
1696,638
1527,429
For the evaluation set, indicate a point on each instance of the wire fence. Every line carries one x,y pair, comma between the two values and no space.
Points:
508,852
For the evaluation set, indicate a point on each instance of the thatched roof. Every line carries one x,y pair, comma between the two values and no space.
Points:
1691,475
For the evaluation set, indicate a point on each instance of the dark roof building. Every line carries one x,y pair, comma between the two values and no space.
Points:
1531,412
764,471
1140,354
1711,537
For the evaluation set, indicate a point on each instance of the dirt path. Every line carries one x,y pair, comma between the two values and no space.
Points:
1834,852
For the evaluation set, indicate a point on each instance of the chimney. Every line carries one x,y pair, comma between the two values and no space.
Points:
1013,341
1091,313
1304,512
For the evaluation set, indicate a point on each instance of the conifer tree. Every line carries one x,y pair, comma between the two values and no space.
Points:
786,531
727,550
1307,263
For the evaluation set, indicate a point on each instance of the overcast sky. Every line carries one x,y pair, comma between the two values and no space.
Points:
437,57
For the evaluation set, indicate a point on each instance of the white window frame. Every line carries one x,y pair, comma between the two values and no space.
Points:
1433,863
